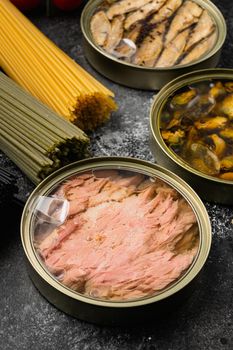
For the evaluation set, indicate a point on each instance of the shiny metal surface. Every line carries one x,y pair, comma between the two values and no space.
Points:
112,312
140,77
209,188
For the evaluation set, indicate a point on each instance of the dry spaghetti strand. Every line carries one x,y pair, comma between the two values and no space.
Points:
44,70
33,136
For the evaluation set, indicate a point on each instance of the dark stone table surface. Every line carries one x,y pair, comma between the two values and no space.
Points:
28,321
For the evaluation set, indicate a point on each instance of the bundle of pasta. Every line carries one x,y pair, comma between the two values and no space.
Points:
38,65
34,137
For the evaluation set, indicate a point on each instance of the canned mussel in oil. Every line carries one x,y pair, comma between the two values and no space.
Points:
191,123
146,43
115,241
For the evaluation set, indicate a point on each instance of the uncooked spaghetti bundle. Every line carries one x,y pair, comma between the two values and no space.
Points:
33,136
39,66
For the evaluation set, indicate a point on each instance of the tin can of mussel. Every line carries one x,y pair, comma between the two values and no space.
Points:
191,131
114,240
146,44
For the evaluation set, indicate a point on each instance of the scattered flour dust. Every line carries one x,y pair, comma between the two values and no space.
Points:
221,218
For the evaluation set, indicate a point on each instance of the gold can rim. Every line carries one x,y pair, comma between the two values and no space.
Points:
121,163
213,10
160,100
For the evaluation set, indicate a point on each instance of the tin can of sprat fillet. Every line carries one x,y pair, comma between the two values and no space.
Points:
56,234
142,77
210,188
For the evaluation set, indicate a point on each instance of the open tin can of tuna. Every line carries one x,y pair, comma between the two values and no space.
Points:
146,43
191,131
115,240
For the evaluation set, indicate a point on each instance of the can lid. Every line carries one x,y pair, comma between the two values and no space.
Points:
113,233
196,108
131,49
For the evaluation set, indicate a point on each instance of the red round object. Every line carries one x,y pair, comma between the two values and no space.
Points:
67,5
26,5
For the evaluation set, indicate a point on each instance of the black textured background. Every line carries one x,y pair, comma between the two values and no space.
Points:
28,321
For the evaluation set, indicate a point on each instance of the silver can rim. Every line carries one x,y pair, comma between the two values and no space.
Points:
188,193
160,100
207,4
